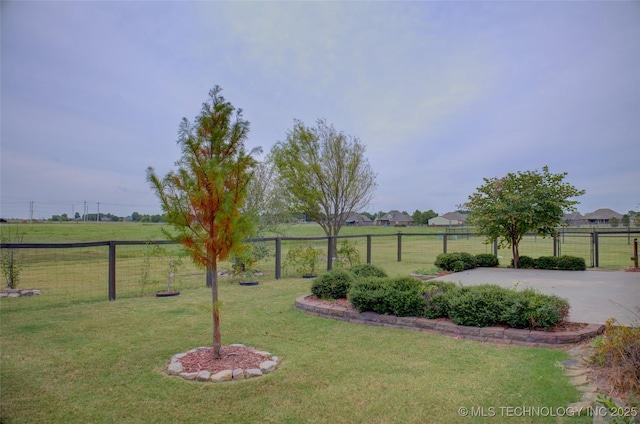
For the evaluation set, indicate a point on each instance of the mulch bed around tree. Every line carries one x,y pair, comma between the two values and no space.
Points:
231,359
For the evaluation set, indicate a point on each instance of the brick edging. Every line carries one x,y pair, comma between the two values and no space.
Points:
481,334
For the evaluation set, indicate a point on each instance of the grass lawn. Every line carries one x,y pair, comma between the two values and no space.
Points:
102,362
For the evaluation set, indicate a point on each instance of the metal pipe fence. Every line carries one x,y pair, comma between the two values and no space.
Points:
67,273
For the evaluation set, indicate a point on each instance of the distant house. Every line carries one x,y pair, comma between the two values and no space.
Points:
394,218
600,217
449,218
573,218
357,220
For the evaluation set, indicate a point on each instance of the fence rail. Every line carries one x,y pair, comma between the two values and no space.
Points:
78,272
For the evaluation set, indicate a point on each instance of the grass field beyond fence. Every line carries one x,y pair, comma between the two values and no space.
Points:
71,275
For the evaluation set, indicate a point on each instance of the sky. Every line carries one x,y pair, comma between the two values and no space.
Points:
443,94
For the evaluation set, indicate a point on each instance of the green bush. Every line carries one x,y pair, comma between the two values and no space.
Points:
571,263
547,262
525,262
405,297
478,306
455,262
368,294
400,296
486,260
436,296
334,284
488,304
367,270
532,309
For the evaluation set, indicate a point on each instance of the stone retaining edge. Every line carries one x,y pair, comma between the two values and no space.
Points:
482,334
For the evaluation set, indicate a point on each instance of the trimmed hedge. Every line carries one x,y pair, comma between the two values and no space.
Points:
487,260
334,284
525,262
455,262
571,263
479,306
367,270
437,297
547,262
488,304
400,296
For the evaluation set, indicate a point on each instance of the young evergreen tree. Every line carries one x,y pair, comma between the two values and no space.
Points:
203,197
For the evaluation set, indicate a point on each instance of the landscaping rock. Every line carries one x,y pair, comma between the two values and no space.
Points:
221,376
203,375
268,366
174,368
188,375
238,374
177,368
253,372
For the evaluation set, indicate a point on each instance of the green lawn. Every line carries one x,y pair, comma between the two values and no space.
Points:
102,362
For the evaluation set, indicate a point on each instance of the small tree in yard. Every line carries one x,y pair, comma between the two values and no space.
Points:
202,199
507,208
324,174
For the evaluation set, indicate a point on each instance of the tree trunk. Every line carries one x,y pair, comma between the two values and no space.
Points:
212,268
209,279
516,253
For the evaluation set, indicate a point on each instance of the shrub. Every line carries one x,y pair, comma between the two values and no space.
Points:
368,294
489,304
303,259
547,262
405,297
486,260
525,262
571,263
346,254
437,295
455,262
532,309
367,270
400,296
334,284
478,306
617,351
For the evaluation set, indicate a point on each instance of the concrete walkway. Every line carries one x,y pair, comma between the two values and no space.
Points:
594,296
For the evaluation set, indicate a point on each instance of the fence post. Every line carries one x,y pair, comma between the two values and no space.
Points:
399,246
596,249
330,252
444,243
278,258
112,270
369,248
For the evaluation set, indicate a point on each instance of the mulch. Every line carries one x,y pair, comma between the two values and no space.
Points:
231,359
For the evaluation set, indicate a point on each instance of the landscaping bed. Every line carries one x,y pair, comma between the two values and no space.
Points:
565,333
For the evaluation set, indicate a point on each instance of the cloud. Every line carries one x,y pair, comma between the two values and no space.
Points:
442,93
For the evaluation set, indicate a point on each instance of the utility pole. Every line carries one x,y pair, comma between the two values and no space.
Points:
98,217
31,205
84,214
